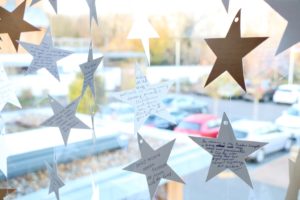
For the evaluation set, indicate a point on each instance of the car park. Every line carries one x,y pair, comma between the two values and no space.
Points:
188,103
263,131
290,120
287,94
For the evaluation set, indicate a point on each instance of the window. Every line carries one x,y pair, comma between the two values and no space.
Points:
189,126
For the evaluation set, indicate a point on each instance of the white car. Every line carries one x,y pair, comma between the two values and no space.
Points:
262,131
290,120
289,94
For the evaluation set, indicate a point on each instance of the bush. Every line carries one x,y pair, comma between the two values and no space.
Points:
87,101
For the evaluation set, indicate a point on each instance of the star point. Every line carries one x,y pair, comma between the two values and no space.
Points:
13,23
55,181
143,30
93,11
7,91
52,2
289,10
230,52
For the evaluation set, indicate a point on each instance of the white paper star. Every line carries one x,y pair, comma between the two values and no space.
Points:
289,10
64,118
3,155
7,91
153,164
146,99
52,2
226,4
45,55
88,69
93,11
143,30
227,152
55,181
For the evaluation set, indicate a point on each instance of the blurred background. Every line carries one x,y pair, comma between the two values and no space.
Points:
92,166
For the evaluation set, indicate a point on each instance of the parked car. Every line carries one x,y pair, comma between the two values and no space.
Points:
290,120
230,90
188,103
117,111
158,122
288,94
263,91
204,125
262,131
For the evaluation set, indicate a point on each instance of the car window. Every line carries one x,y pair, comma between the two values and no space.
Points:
293,112
240,134
189,125
214,123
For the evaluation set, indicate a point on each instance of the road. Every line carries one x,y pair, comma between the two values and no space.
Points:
237,109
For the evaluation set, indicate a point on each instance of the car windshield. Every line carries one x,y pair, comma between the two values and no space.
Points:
167,101
293,111
240,134
189,125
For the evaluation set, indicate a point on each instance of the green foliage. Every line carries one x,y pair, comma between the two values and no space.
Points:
87,101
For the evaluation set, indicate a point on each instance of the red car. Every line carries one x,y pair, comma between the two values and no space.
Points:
204,125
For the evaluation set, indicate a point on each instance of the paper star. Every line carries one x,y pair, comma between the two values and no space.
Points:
294,176
52,2
153,164
227,152
13,23
146,99
45,55
143,30
230,52
93,11
95,191
7,94
289,10
55,181
226,4
5,191
64,118
88,69
3,155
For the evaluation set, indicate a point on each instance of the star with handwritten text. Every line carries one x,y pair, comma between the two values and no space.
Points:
64,118
13,23
146,99
45,55
153,164
52,2
7,91
230,52
227,152
88,69
55,181
5,191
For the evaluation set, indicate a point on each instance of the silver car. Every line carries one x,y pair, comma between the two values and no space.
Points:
262,131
